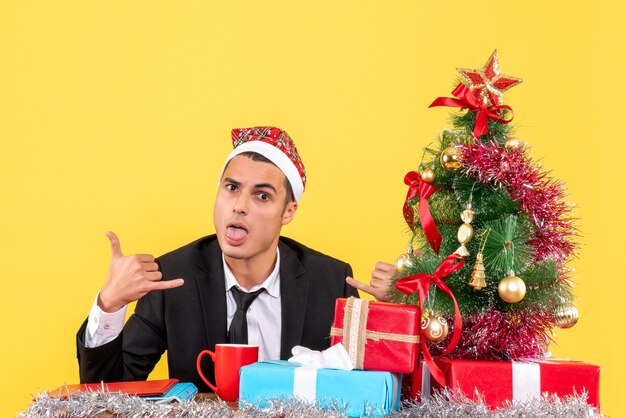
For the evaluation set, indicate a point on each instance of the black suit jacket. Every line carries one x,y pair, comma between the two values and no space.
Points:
191,318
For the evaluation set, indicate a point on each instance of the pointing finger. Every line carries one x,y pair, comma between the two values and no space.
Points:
380,293
358,285
116,250
167,284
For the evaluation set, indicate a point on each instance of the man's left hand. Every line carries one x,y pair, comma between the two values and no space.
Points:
381,283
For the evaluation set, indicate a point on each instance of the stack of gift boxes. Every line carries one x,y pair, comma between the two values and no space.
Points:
383,343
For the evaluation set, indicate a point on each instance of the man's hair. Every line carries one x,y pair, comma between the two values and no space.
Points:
255,156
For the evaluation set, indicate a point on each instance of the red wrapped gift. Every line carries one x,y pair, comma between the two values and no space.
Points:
377,335
501,381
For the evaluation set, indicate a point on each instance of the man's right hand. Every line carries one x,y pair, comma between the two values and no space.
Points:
130,278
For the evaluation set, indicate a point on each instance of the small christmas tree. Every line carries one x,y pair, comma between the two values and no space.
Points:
489,225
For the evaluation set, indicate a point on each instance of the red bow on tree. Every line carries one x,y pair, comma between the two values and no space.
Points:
421,283
466,99
417,186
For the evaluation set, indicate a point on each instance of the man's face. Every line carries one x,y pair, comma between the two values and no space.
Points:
250,209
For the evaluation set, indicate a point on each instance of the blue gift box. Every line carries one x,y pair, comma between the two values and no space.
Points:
360,391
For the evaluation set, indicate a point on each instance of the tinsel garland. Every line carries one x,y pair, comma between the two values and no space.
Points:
539,195
492,335
496,335
441,404
455,404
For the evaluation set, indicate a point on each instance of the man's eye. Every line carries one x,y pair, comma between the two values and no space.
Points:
231,187
264,196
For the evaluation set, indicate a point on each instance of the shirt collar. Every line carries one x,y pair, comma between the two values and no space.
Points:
271,283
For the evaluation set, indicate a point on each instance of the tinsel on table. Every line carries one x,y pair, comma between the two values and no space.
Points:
450,404
442,404
120,405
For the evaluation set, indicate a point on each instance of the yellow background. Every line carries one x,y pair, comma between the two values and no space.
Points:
117,115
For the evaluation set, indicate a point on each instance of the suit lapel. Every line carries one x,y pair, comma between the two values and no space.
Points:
212,294
293,295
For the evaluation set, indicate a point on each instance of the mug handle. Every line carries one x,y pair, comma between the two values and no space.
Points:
202,353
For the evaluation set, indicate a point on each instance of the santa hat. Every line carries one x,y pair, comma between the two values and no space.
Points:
276,146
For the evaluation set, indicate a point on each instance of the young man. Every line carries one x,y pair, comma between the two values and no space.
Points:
245,284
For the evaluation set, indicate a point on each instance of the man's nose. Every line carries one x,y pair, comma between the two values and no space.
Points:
241,203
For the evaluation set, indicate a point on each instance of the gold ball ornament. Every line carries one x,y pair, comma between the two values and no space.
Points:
434,328
450,158
565,316
428,175
512,289
513,144
403,262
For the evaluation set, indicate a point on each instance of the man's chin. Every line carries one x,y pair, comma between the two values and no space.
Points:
233,251
236,254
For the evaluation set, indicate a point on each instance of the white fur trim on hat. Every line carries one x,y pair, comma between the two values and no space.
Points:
279,158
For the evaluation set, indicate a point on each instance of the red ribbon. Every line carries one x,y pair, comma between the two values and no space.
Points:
421,283
417,186
466,99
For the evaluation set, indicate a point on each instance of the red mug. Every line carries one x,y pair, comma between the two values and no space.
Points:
228,359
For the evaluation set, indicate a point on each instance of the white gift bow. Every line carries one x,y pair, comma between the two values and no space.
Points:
305,377
335,357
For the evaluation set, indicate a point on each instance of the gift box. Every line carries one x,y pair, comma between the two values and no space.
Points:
377,335
361,392
501,381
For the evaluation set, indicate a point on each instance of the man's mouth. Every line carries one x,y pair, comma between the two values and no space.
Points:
236,233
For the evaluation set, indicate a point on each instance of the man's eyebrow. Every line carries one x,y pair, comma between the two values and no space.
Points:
266,185
256,186
232,181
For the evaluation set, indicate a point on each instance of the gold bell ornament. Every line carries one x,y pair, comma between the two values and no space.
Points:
565,315
512,289
434,328
450,158
465,232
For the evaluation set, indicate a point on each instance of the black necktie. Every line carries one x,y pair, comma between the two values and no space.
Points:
238,331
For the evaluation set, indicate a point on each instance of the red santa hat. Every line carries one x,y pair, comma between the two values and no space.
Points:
275,145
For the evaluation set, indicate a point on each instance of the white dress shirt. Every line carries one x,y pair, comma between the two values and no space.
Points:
103,327
263,317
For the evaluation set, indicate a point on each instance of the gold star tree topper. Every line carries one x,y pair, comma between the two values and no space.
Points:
487,83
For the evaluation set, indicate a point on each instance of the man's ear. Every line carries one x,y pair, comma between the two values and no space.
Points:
290,212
